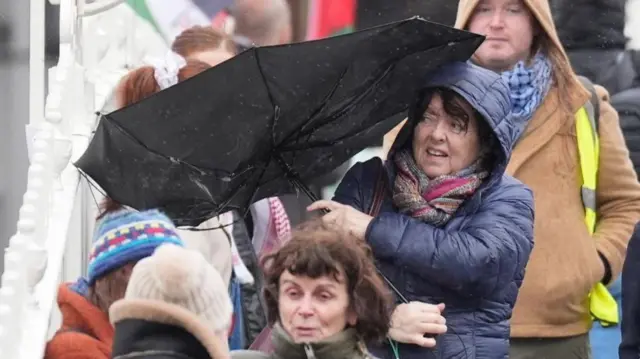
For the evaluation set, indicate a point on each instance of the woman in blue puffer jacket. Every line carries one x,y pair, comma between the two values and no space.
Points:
447,225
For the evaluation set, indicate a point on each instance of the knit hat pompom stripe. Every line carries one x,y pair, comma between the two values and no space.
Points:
127,236
131,233
126,253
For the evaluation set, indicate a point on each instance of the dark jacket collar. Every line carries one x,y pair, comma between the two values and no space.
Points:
137,336
139,322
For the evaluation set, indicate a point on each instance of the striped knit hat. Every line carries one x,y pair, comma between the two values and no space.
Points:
127,236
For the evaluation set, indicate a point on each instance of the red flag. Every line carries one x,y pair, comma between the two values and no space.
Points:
330,17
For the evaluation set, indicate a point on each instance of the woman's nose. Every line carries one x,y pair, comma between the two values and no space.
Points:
439,132
306,308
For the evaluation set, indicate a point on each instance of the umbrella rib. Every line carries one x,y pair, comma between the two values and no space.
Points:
294,178
320,144
309,132
274,118
354,99
264,78
298,132
276,108
335,116
304,131
235,190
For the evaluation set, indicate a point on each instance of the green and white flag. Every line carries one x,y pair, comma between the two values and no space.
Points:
170,18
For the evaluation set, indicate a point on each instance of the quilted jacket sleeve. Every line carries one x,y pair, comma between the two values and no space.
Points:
490,249
349,190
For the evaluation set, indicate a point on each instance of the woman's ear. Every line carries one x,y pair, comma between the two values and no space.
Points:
352,318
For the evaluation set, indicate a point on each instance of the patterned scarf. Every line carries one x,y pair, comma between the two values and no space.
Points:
433,201
528,85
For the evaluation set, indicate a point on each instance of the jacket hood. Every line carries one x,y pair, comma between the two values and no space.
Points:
486,92
574,92
539,8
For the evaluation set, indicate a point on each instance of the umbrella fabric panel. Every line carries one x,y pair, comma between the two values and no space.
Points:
143,179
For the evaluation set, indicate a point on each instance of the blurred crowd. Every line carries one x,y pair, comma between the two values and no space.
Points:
483,230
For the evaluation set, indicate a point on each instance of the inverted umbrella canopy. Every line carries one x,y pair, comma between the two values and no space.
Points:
262,123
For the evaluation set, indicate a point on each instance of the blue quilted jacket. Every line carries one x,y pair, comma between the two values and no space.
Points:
476,262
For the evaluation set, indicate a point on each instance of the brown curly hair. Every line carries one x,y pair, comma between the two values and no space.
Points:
316,250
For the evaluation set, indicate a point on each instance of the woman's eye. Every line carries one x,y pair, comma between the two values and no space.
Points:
457,127
483,9
514,9
293,294
325,296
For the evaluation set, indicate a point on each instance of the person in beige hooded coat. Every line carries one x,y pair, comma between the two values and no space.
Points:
551,318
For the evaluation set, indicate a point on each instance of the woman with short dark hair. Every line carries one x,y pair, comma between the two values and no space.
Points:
444,221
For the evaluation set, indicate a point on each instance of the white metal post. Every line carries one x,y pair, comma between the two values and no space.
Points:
36,61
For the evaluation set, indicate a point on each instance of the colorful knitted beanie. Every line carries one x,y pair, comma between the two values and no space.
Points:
127,236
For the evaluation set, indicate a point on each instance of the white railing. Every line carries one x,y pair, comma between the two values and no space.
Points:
98,41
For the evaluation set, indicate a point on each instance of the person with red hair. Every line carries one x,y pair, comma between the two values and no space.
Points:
148,80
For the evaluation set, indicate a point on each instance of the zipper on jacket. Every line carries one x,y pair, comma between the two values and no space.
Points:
309,351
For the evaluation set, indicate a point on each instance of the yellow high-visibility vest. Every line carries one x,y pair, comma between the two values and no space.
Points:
603,306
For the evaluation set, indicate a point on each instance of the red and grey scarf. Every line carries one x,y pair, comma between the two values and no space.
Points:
433,200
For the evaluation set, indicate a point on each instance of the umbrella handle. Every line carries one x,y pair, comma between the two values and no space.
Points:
393,287
294,178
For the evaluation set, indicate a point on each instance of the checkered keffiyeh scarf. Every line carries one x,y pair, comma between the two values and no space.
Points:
433,201
528,85
276,233
281,224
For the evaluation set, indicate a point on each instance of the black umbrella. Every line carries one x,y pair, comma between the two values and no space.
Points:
264,122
